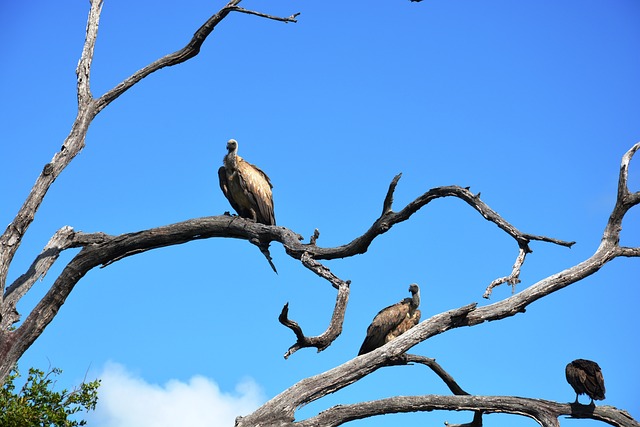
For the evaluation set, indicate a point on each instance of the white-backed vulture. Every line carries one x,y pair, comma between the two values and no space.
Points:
585,377
392,321
247,188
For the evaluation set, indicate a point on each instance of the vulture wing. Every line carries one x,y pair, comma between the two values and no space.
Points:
575,378
224,186
257,187
586,377
407,323
383,323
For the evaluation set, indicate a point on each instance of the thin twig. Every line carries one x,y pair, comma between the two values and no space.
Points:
288,19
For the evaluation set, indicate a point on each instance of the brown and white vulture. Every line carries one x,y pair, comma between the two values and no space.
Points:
585,377
392,321
247,188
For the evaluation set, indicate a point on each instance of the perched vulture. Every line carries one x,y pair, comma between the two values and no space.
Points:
585,377
392,321
247,188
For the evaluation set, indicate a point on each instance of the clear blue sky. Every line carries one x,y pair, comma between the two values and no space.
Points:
532,103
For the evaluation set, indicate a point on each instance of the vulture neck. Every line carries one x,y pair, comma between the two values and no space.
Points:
415,300
232,160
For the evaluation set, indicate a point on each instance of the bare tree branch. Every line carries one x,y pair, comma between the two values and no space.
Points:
99,249
104,249
187,52
282,407
88,108
14,343
334,330
544,412
38,269
439,371
513,279
291,18
388,200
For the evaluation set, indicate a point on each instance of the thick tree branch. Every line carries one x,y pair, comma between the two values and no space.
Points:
88,108
544,412
283,406
73,144
101,249
38,269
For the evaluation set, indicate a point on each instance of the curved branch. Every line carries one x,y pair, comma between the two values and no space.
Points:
544,412
88,108
310,389
334,329
513,279
388,219
187,52
102,249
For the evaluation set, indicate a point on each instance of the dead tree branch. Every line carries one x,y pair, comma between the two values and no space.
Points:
88,108
544,412
439,371
101,249
334,330
282,407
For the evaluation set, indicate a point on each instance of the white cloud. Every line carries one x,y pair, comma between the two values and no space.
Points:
125,400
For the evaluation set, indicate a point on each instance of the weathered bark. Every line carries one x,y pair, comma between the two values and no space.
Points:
544,412
100,249
14,343
282,407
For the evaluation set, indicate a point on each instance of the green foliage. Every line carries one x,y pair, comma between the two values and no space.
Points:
38,405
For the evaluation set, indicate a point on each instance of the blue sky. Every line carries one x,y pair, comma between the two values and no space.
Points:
531,103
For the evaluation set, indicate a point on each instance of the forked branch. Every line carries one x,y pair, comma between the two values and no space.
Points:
282,407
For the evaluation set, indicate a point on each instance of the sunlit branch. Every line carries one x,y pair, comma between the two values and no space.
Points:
544,412
324,340
513,279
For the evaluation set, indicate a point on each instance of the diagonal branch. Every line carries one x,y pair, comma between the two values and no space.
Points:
439,371
88,108
335,379
187,52
101,249
38,269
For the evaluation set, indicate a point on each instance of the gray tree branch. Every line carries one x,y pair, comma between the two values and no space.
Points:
544,412
321,342
11,345
99,249
282,407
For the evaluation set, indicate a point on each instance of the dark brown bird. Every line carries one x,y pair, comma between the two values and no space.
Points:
585,377
392,321
246,186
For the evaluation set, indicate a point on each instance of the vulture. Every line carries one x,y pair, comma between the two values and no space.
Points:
247,188
585,377
392,321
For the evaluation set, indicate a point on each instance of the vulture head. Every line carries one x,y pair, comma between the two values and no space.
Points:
232,146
